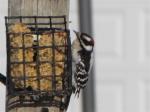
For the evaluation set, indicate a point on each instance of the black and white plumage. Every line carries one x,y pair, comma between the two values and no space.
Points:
82,56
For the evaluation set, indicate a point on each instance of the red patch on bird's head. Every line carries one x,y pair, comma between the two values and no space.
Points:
92,42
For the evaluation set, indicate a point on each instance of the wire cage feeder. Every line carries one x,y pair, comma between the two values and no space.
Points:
38,61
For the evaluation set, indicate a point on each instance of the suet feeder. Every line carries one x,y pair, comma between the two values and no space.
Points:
39,69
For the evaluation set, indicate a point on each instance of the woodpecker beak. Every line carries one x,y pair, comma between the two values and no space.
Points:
77,34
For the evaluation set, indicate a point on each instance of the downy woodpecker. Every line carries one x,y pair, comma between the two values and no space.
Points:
82,58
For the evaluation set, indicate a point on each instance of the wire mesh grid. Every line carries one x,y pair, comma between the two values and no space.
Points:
38,61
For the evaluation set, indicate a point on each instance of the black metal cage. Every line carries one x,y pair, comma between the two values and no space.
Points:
38,61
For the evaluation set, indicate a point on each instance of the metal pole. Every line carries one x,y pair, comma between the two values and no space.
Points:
85,19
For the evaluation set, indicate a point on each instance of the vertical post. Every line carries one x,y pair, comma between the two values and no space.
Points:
85,18
38,8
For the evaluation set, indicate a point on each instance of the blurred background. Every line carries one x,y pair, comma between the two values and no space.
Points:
120,79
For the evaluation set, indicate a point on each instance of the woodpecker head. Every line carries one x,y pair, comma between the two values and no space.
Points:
86,41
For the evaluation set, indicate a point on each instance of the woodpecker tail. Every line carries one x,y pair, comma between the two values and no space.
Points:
77,92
